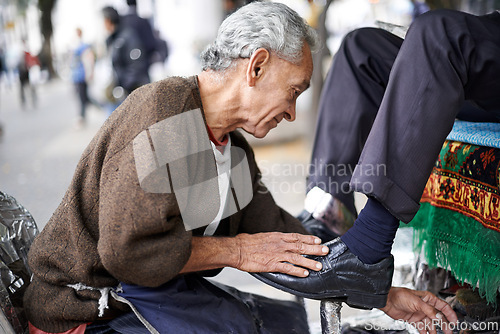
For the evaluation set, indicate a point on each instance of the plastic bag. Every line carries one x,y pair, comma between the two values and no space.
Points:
17,231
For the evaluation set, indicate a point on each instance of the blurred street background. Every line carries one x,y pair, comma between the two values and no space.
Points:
42,140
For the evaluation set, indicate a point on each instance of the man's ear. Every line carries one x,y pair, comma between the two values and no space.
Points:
256,65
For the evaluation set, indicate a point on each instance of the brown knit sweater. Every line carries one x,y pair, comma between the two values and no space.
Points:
107,229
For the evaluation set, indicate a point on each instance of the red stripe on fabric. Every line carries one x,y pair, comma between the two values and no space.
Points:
214,140
77,330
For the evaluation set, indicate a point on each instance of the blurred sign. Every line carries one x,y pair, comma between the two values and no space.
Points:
10,25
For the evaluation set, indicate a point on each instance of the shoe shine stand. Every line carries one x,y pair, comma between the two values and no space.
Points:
330,316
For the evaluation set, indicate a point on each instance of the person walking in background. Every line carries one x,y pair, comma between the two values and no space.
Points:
82,68
419,7
2,70
157,67
3,65
161,52
128,57
26,62
143,29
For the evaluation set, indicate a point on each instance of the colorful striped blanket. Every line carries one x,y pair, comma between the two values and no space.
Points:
458,224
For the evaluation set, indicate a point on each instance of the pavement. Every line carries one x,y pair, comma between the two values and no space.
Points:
40,147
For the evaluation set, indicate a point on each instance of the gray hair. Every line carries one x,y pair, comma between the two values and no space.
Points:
269,25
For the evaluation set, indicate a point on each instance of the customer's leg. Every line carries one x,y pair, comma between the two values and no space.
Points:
438,67
349,103
447,57
471,112
350,99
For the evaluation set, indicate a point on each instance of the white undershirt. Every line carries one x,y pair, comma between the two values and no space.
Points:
223,162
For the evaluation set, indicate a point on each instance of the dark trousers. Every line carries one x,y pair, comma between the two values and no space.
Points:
193,304
83,97
25,84
388,105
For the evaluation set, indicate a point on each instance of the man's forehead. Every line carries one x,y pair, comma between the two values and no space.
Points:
305,84
307,68
299,76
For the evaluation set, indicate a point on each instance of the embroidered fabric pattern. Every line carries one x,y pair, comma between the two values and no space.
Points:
466,179
458,224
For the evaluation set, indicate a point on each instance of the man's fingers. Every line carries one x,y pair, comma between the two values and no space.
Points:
422,323
305,244
440,307
436,315
301,238
300,244
280,252
444,308
305,249
290,269
428,326
304,262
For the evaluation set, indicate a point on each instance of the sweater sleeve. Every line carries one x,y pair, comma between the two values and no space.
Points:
142,239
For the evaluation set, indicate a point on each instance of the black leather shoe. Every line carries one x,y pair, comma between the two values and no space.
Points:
316,227
343,277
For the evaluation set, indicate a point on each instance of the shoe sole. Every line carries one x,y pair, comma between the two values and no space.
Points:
354,299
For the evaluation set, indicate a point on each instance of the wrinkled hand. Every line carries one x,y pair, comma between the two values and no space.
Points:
279,252
422,309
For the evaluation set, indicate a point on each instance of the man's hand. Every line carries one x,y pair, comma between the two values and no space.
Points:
422,309
261,252
279,252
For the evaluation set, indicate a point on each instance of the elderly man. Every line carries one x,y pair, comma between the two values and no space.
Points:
168,190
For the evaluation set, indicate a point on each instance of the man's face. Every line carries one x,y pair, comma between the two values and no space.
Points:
274,96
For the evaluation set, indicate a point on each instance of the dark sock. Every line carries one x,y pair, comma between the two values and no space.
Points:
372,234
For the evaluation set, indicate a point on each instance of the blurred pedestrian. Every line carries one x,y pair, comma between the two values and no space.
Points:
26,62
128,57
419,7
143,29
3,65
2,70
161,51
157,67
82,68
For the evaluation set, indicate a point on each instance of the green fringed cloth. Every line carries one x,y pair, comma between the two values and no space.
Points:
458,224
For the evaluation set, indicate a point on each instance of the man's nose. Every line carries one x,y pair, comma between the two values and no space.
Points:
290,113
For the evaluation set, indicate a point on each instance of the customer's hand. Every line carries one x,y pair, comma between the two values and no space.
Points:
422,309
279,252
